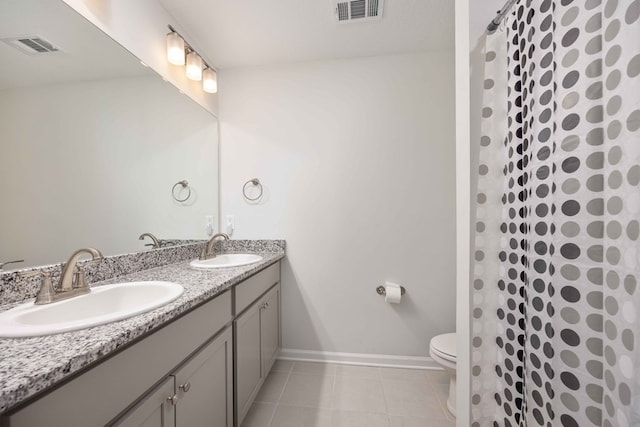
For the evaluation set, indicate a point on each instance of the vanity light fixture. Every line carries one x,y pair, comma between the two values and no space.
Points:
175,48
194,66
179,52
210,80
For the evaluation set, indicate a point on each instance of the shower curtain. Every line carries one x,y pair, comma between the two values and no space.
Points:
556,304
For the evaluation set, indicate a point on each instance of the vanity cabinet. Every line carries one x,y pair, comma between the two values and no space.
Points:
203,368
97,396
257,342
197,394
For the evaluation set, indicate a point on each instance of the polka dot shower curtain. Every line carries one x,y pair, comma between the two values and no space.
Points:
556,304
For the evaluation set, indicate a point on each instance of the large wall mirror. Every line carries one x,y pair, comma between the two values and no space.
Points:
92,143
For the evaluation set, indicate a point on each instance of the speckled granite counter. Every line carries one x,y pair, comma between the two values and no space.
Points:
30,365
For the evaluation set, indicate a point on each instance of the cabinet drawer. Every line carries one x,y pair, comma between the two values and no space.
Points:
248,291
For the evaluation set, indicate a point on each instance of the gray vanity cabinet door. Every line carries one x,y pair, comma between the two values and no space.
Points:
154,411
204,386
248,359
270,325
257,346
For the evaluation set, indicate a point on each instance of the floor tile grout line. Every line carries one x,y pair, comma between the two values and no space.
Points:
443,406
443,403
434,388
275,409
333,390
356,377
289,374
384,395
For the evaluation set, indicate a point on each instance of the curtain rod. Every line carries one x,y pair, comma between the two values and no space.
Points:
495,23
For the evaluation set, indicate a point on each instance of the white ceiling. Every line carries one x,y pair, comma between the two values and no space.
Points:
235,33
88,53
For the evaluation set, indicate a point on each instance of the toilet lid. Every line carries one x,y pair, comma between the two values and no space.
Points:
445,344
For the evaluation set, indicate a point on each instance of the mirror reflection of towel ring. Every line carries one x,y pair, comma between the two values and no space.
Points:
256,182
185,184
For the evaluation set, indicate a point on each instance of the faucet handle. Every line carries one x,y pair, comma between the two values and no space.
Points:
79,278
46,293
203,253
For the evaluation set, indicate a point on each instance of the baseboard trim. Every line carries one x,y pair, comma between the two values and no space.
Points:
362,359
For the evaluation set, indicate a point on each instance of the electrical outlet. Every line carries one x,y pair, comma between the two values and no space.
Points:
209,226
230,224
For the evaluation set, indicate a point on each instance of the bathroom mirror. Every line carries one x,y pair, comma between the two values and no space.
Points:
92,143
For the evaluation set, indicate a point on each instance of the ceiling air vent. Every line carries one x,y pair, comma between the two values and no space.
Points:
31,45
358,10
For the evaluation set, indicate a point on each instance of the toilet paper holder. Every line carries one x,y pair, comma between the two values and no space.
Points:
382,291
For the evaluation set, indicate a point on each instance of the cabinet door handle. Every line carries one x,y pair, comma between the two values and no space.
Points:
173,399
266,304
185,387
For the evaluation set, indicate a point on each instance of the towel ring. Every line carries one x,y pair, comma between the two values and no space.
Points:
256,182
185,184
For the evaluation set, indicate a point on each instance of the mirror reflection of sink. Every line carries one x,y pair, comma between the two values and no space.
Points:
226,260
104,304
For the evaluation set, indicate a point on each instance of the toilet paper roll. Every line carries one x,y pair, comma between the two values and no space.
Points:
393,293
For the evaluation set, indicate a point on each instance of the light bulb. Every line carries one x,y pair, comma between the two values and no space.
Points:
175,49
210,80
194,66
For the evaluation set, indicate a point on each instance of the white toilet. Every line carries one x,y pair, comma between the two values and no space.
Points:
442,349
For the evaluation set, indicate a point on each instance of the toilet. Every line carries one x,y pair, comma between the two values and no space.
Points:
442,349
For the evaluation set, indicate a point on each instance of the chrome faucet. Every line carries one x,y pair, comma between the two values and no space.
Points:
72,281
156,242
207,251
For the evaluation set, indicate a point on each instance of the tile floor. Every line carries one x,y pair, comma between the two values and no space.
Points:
305,394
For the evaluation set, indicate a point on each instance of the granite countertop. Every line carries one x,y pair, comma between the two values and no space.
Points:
30,365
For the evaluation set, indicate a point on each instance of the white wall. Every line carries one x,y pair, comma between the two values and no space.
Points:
357,160
93,163
141,27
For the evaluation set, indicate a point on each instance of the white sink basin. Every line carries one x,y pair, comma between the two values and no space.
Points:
226,260
104,304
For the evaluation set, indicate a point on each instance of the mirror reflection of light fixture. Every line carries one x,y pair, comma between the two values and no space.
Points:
175,48
179,52
210,80
194,66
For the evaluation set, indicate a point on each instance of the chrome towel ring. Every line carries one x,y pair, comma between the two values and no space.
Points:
185,184
255,182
